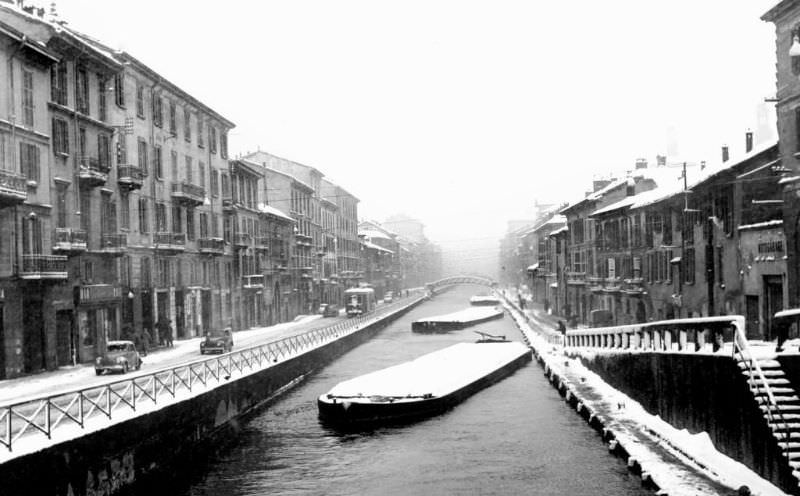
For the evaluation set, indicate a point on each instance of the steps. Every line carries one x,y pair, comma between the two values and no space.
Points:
782,416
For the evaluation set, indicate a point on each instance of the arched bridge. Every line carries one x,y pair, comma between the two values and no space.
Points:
451,281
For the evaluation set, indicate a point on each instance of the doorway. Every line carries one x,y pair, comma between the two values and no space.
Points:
34,339
773,299
752,328
65,339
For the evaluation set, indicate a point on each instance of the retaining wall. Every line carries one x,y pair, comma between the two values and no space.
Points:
148,452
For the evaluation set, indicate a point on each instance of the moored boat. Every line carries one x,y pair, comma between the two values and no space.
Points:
423,387
457,320
488,299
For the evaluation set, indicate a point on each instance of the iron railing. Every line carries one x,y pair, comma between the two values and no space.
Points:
66,415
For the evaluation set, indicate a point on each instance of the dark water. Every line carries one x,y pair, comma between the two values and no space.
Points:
516,437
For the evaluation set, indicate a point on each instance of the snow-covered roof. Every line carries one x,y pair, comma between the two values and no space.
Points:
714,170
762,225
373,246
270,210
533,266
373,233
559,230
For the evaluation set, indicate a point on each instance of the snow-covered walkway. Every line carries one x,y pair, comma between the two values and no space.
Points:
678,462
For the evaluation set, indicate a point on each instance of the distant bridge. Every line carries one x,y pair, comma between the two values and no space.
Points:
451,281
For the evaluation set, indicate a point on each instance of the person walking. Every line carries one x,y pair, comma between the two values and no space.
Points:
168,334
146,339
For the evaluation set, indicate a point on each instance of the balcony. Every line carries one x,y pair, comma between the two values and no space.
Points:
188,194
576,278
211,246
130,177
262,243
92,173
613,285
255,281
113,244
98,294
633,286
69,241
13,188
44,267
242,240
170,243
227,203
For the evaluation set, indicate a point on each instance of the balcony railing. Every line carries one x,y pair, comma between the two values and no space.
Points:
69,240
130,176
92,172
13,188
188,193
262,243
255,281
242,240
113,243
576,278
211,246
170,242
45,267
93,294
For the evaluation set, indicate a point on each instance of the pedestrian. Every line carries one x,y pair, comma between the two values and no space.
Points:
168,334
145,341
562,327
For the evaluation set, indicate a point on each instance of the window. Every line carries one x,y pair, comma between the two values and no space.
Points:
61,206
203,225
144,226
177,224
226,229
688,266
190,234
122,149
119,89
86,210
104,152
214,225
212,139
146,273
82,90
101,98
201,172
125,270
3,161
173,161
157,164
58,83
82,143
666,238
720,259
187,125
173,119
142,149
214,182
188,169
108,214
140,101
161,217
158,116
125,211
60,136
27,98
226,190
200,132
29,161
223,145
32,235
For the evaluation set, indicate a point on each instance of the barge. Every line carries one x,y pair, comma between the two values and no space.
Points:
457,320
490,300
426,386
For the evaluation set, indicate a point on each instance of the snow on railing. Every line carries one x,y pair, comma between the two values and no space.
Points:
96,407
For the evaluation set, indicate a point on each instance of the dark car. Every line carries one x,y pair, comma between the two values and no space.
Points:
329,310
220,342
120,356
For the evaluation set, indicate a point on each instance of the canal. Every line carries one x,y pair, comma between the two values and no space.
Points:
516,437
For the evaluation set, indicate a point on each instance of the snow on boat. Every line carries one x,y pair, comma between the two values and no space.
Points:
422,387
457,320
484,300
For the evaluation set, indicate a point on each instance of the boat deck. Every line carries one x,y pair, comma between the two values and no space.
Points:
457,320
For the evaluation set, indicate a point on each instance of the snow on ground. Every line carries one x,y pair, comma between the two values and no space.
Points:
679,462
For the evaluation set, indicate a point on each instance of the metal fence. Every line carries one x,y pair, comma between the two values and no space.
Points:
98,406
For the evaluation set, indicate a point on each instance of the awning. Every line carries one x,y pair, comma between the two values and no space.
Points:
675,260
533,267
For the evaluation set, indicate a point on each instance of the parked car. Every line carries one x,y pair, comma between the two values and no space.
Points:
329,310
120,356
388,297
219,342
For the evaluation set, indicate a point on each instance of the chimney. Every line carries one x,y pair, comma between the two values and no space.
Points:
748,141
724,153
702,164
599,184
661,160
641,163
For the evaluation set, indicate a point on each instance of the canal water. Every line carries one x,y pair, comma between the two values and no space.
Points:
515,437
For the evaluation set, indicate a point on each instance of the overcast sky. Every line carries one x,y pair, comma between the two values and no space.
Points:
459,113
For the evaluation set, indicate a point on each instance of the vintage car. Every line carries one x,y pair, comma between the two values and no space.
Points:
329,310
120,356
388,297
219,342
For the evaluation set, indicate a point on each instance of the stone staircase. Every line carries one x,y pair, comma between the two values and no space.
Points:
783,416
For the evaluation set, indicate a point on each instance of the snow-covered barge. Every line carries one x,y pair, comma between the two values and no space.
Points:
422,387
457,320
490,300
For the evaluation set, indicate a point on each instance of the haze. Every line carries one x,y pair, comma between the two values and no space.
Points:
461,113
